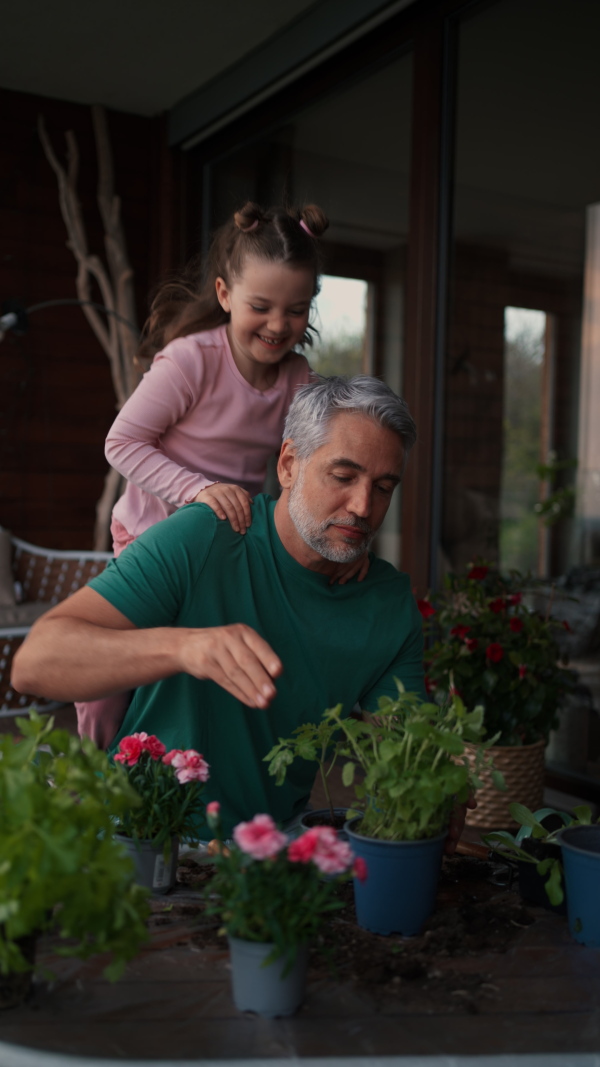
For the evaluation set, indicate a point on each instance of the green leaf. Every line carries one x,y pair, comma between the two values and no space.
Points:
348,772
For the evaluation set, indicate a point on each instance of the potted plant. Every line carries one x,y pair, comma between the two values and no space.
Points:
272,899
537,852
60,868
169,786
412,758
315,742
580,847
491,649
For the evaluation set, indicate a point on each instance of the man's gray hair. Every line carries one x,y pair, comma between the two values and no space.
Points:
315,404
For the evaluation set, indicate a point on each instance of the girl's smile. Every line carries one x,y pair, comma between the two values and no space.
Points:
269,307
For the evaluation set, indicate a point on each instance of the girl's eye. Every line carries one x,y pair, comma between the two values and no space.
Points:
262,310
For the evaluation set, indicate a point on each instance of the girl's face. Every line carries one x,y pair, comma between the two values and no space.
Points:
269,307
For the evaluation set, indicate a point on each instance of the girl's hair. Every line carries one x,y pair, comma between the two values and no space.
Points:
187,303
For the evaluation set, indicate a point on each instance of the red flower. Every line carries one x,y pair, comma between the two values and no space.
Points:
460,631
515,599
472,644
567,627
429,686
360,869
477,573
494,652
130,750
454,692
151,744
516,625
498,605
522,670
425,608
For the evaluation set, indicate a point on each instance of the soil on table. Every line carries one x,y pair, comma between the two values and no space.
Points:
476,914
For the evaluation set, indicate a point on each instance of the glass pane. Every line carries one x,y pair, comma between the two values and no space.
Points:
522,390
349,153
342,346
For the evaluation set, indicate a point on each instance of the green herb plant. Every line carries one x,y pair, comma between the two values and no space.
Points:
315,742
60,867
532,826
412,756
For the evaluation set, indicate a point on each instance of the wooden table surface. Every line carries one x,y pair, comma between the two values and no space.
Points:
540,995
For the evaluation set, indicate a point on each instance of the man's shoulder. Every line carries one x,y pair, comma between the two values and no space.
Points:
388,576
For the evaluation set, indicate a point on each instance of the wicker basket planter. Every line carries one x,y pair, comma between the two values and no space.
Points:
523,770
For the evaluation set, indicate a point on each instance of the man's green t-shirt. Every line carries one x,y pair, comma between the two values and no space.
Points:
338,644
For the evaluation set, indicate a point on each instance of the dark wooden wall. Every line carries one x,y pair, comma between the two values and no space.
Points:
56,396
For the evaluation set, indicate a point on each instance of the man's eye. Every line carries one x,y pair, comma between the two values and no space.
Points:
342,478
387,490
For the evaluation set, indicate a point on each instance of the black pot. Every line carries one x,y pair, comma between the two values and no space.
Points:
322,817
532,886
15,986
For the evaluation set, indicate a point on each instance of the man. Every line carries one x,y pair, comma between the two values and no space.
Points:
232,642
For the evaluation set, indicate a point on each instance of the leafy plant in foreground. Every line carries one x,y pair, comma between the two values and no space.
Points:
60,867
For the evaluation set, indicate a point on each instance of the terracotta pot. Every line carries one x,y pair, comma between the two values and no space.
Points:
523,770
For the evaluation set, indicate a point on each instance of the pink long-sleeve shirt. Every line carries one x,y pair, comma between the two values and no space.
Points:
194,420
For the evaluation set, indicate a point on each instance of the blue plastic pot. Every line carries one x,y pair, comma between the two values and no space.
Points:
581,862
398,895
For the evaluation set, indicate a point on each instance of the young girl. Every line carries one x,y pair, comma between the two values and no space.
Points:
209,413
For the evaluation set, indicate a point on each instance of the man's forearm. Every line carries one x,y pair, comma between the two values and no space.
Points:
67,657
70,659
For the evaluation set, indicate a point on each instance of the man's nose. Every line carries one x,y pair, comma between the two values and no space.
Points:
360,501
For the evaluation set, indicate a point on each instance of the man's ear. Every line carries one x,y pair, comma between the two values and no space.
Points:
223,294
286,464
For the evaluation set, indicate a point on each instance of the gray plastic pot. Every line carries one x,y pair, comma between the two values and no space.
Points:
150,867
265,990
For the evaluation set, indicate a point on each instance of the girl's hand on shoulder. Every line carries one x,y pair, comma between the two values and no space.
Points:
228,502
346,571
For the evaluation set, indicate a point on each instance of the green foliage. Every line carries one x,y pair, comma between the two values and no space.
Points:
412,757
166,808
532,825
60,867
311,741
493,650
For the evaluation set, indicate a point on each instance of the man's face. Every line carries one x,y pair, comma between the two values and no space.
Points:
338,497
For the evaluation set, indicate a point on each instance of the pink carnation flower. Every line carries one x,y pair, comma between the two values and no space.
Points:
190,766
322,846
130,750
259,838
213,809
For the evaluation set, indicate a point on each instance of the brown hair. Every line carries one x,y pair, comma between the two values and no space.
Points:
187,303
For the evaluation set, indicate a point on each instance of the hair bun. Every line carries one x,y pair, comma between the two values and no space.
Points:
249,217
315,219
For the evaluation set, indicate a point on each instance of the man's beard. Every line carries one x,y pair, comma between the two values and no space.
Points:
313,533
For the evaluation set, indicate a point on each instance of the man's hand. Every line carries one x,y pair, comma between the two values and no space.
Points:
228,502
346,571
236,658
457,824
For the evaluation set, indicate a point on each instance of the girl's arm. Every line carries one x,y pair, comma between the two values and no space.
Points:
163,397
